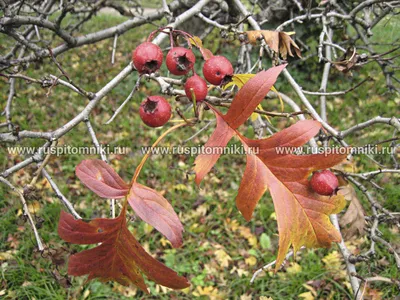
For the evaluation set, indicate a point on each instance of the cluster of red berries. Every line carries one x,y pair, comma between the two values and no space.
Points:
147,58
324,183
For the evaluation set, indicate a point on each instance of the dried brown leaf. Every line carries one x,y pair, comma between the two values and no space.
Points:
278,41
352,221
348,61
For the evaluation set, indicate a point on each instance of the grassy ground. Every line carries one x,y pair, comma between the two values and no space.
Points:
221,250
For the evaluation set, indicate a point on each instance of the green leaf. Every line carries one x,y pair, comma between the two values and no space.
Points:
265,241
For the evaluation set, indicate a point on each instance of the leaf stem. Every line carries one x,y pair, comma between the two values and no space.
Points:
146,156
194,100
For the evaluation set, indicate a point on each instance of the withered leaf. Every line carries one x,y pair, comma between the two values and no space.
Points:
348,61
353,220
278,41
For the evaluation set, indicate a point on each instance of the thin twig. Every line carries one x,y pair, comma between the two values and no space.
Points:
135,88
102,155
60,196
198,132
114,48
337,93
26,212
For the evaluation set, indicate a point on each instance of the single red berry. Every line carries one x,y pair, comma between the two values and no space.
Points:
199,86
155,111
147,58
180,60
218,70
324,183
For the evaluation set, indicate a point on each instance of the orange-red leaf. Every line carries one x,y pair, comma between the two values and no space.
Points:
155,210
302,215
253,185
119,257
250,95
99,177
243,105
212,149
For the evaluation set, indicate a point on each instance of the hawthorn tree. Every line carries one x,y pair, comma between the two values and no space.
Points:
308,215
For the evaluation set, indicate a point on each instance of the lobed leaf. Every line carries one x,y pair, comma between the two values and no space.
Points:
302,215
269,36
119,257
99,177
285,45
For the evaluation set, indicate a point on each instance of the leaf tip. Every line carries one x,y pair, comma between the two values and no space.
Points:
247,215
198,180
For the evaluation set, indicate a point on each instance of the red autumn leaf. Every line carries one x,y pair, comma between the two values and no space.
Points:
119,257
220,138
250,95
302,215
250,191
243,105
99,177
155,210
149,205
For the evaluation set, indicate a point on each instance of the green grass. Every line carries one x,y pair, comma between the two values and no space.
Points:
209,213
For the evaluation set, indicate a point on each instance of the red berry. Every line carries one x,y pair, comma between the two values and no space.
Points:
199,86
324,183
218,70
147,58
155,111
180,60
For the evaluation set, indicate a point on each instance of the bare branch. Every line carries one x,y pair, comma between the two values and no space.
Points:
377,120
60,196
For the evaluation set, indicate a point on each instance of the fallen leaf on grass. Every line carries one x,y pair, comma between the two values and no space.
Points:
222,257
333,260
6,256
251,261
307,296
293,268
209,291
247,234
